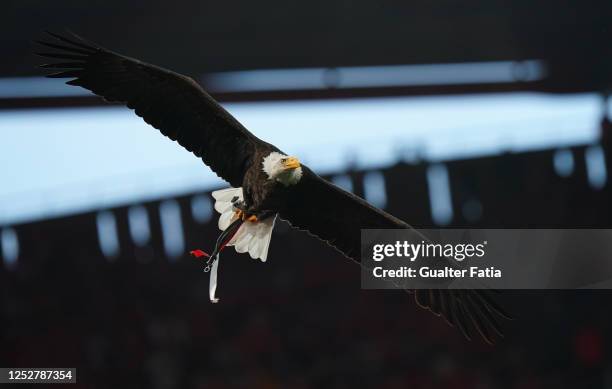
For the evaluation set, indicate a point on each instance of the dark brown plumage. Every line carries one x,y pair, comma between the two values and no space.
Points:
183,111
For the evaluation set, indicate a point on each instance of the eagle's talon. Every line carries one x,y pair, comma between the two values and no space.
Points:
252,219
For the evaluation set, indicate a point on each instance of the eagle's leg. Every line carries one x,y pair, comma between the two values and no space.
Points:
250,214
240,207
245,213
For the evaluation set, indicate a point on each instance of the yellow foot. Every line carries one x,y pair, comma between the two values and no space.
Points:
240,214
252,219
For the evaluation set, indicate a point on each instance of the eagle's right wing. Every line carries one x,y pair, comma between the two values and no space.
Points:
173,103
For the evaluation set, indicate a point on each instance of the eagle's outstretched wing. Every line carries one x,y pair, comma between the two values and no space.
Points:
337,217
173,103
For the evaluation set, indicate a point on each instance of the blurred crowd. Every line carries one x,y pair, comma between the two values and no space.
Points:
289,323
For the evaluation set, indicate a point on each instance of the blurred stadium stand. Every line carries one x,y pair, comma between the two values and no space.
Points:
104,283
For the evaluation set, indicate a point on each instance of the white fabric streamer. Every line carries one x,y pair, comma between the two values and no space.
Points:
212,288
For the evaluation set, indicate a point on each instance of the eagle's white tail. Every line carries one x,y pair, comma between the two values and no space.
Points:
253,238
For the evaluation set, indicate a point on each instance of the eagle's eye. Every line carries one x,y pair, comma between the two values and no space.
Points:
283,160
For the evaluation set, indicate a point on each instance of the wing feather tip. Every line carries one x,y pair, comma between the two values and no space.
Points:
76,40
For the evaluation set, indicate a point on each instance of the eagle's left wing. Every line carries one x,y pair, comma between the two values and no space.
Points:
337,217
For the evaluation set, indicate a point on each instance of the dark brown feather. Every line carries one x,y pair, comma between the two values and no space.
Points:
170,102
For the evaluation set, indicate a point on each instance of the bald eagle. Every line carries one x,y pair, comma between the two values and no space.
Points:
266,183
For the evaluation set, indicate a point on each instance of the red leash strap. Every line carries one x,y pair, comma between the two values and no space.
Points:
225,237
199,253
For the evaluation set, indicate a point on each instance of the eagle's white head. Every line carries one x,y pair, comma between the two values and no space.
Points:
282,168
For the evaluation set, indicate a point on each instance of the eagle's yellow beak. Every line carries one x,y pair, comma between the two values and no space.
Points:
291,163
